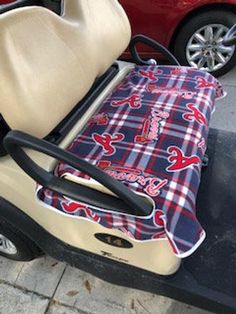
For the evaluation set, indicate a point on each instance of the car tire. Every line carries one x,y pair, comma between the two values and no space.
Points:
15,245
199,22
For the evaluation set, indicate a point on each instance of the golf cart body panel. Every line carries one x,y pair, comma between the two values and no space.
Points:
67,228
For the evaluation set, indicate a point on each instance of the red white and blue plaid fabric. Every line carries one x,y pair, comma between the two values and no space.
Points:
150,133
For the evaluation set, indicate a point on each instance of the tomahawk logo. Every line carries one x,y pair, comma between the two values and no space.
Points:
179,161
194,115
73,207
150,74
134,102
203,83
106,140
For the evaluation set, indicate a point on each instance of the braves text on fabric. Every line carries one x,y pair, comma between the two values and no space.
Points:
151,127
152,185
172,91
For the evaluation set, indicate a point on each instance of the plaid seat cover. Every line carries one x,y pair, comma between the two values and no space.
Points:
150,133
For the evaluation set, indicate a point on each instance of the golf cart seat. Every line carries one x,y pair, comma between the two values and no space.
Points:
43,55
147,129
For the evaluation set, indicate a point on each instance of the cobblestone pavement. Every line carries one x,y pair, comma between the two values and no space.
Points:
50,287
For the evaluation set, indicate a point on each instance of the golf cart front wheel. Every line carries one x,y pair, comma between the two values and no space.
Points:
15,245
199,43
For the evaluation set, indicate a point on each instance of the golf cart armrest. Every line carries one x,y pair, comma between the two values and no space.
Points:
151,43
126,202
230,37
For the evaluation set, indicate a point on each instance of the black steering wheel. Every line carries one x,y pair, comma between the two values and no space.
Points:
230,37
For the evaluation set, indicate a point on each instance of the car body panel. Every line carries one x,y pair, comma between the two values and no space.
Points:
159,19
6,1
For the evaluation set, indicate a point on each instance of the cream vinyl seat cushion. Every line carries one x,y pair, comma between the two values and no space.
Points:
49,63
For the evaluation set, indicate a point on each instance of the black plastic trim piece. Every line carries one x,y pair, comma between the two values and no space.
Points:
4,129
152,43
129,202
54,5
18,4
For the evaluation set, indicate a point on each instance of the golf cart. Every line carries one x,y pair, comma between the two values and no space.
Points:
101,160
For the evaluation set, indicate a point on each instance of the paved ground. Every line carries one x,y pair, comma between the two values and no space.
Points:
47,286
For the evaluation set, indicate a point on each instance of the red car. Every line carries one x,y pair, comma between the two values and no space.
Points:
6,1
192,30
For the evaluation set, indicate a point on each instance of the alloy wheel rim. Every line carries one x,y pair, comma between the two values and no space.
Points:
6,246
205,49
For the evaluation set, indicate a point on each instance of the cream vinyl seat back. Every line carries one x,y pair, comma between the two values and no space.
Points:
48,63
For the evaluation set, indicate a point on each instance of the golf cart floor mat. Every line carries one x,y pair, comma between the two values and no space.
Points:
214,264
151,134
